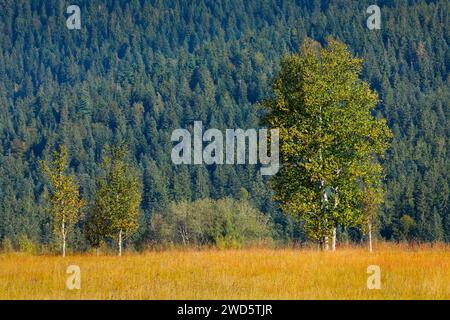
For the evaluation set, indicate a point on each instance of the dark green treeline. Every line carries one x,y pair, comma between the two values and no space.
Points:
139,69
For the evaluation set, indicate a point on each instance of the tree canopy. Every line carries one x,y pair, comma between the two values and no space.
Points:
330,141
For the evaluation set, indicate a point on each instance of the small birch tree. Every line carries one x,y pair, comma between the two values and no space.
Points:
372,199
118,197
65,199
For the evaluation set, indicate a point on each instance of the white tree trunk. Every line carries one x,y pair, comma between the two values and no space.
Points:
120,243
370,236
333,243
324,207
63,233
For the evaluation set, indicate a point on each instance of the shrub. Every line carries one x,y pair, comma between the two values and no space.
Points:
7,245
227,242
407,227
25,244
225,223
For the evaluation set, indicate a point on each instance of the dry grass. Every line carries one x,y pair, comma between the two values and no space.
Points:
419,273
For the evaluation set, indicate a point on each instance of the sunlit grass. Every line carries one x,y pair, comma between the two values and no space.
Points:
406,273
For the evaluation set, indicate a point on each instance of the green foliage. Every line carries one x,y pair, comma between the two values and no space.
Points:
372,199
407,227
65,199
97,225
26,245
116,208
225,222
7,245
330,142
137,70
227,242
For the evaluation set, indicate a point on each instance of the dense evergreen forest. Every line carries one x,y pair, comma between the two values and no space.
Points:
139,69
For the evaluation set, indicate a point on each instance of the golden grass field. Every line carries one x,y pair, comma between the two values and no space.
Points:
406,273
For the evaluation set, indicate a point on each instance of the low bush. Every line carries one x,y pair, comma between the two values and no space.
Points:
226,223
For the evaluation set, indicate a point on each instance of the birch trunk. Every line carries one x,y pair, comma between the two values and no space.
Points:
120,243
63,232
324,208
333,244
370,236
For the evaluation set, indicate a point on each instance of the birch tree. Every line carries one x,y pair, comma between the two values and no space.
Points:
329,139
65,199
118,197
372,199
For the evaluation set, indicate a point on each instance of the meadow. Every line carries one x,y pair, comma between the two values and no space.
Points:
255,273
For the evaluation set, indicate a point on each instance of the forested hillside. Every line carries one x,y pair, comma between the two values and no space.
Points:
137,70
